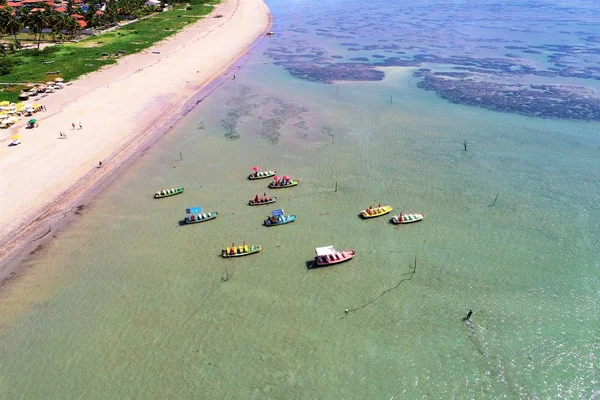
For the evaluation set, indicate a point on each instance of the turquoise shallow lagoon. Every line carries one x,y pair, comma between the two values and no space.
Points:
126,303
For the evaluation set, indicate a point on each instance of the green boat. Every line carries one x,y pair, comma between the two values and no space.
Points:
195,215
167,192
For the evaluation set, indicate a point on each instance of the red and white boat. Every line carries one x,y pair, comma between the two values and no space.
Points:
407,218
329,256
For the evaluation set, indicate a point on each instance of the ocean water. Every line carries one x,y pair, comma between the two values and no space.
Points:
127,303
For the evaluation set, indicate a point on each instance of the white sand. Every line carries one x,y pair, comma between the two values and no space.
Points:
119,108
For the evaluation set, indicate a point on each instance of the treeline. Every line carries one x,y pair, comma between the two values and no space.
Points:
42,19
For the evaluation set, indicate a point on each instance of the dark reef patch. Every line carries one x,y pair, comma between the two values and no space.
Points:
334,72
545,101
239,107
281,113
467,66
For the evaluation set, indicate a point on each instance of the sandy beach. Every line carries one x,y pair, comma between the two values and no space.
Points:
120,108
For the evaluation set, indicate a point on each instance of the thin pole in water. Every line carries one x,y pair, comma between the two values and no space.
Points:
336,187
391,98
181,155
336,89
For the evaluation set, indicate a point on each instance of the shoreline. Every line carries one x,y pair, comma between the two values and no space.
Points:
24,238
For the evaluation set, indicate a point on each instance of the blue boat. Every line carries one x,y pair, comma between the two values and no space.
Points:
278,217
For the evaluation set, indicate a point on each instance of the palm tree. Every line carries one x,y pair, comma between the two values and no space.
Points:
71,26
37,21
58,24
13,26
33,21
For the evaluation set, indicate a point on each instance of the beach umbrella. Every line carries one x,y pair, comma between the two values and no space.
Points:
4,103
58,79
287,178
50,83
15,137
254,169
276,178
32,121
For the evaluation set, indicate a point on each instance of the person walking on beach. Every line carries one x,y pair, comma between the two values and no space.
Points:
73,125
99,164
80,126
234,77
62,135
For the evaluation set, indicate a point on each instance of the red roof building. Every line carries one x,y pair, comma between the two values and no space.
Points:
81,23
14,4
60,9
77,16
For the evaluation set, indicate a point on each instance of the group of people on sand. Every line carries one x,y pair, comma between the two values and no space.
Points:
372,210
262,199
63,135
233,250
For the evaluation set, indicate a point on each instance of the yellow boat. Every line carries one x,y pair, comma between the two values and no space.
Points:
373,212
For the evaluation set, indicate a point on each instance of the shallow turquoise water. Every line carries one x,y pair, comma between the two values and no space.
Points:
133,305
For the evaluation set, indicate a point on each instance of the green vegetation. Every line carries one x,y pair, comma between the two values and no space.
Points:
70,61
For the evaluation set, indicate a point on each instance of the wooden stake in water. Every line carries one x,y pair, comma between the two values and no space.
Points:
391,98
465,145
332,138
336,187
181,155
336,89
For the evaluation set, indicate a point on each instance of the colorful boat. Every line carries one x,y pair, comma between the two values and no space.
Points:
240,251
195,215
167,192
407,218
278,217
378,211
261,175
329,256
285,182
260,200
